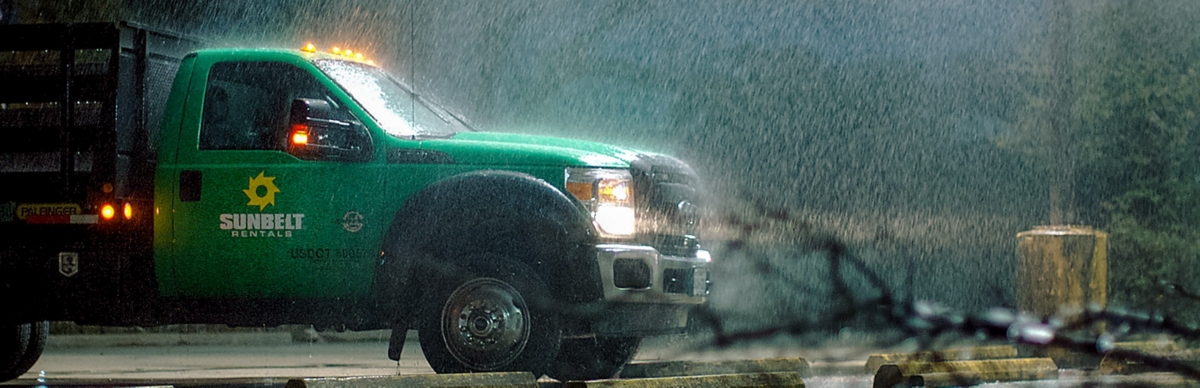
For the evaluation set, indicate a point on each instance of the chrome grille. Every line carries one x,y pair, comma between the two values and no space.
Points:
669,202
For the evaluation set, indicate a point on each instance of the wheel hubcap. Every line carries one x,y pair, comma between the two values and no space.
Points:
484,324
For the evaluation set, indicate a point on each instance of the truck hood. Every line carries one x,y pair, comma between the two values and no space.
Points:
491,148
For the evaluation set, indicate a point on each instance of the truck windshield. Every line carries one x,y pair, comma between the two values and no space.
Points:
397,110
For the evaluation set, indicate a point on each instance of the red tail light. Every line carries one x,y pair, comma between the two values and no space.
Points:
107,212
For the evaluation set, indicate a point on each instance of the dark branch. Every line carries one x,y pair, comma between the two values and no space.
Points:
927,320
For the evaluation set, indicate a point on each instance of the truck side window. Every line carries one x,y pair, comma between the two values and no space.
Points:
246,104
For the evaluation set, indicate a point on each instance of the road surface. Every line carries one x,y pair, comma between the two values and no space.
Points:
270,365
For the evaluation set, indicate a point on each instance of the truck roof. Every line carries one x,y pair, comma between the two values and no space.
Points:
308,53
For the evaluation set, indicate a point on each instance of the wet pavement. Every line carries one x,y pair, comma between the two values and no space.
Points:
272,365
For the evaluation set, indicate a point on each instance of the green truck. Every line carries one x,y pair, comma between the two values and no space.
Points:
151,181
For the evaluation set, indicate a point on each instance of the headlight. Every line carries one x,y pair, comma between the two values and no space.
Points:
608,194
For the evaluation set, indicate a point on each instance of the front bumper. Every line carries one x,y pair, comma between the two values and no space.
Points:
646,292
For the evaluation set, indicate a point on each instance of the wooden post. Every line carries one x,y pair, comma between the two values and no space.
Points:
1061,266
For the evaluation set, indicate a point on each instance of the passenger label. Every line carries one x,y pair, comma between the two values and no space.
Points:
47,209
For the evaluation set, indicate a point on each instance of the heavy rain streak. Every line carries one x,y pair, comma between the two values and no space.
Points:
918,137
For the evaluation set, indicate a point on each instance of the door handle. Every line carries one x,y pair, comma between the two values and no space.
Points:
189,186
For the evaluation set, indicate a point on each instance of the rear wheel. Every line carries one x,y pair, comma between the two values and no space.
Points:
20,347
496,317
594,358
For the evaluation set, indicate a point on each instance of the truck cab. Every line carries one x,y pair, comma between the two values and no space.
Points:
307,186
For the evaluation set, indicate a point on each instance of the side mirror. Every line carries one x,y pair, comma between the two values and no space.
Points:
315,135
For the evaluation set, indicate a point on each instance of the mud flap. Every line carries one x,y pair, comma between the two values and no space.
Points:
396,344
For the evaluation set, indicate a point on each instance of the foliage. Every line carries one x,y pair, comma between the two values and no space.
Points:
1136,142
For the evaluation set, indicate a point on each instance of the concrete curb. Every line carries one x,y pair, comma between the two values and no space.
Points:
1112,365
695,368
496,380
1069,359
780,379
264,338
838,368
960,373
166,339
360,336
960,354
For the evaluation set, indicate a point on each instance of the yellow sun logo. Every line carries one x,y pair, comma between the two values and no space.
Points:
266,182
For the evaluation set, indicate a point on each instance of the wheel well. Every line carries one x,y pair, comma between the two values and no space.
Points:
479,213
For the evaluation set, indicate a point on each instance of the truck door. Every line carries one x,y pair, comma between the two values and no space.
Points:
256,218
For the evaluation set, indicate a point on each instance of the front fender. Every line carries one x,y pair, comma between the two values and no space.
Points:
484,213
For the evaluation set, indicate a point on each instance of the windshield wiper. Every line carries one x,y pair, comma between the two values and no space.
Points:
445,114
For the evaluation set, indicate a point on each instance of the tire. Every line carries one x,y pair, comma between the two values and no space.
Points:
20,347
495,316
594,358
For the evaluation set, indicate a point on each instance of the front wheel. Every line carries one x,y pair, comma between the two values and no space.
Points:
20,347
496,318
594,358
